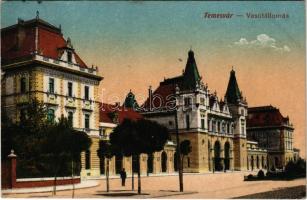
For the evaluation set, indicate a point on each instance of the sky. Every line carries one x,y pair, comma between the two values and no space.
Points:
138,44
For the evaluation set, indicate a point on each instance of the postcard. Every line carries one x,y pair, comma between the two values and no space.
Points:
153,99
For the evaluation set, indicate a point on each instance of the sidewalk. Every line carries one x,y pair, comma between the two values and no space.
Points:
83,184
171,174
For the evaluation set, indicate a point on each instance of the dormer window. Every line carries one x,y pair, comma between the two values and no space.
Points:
69,56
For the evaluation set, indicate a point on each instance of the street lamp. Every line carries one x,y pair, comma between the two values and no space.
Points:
178,144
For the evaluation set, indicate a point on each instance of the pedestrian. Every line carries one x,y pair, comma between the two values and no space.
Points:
123,176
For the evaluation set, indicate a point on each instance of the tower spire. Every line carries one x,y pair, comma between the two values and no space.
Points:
191,74
233,93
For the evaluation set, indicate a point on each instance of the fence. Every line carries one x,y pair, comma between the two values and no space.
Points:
10,181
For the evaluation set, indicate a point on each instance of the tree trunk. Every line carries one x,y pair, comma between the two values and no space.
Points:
139,175
107,175
72,178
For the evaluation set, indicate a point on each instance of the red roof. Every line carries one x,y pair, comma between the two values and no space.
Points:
19,41
265,116
162,97
107,110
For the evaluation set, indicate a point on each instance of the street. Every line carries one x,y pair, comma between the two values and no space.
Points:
218,185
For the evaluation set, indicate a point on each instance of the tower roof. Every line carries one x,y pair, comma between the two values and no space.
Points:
130,101
233,94
191,75
24,39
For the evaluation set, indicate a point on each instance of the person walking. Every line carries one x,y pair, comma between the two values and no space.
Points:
123,176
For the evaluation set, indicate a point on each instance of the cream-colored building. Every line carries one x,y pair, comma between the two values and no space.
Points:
37,62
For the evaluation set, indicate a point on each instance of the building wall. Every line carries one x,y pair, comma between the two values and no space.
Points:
37,86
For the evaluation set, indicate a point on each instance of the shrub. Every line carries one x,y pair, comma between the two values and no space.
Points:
250,176
260,174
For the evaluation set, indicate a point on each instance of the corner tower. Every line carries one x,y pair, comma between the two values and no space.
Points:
238,108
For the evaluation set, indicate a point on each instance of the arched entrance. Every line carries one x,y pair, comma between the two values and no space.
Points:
118,163
163,161
227,156
175,162
217,157
135,163
150,163
276,162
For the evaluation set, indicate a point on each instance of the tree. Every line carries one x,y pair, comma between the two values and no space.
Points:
79,142
142,136
106,150
26,136
63,146
185,149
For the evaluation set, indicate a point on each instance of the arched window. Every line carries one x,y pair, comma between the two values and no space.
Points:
163,162
150,163
50,115
118,163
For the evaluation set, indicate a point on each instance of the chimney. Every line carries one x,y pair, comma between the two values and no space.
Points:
150,97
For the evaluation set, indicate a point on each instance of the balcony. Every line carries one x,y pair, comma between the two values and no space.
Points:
52,99
66,65
87,105
70,102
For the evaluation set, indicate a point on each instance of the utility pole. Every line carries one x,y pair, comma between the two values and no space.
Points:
180,170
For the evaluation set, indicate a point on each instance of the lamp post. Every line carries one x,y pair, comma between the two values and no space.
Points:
178,145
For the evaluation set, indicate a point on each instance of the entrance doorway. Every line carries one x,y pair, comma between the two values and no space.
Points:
217,157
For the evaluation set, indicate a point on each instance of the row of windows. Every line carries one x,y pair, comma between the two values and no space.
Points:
69,89
217,126
23,87
51,117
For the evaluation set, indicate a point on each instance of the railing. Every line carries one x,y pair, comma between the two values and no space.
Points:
66,64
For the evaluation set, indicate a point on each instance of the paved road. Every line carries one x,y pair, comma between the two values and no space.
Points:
218,185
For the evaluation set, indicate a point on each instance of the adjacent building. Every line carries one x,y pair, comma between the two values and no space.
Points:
38,62
273,132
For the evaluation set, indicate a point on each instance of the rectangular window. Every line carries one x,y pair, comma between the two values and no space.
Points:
187,101
242,127
86,92
202,101
71,118
50,115
23,85
203,123
69,56
87,121
69,88
187,119
51,85
213,126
